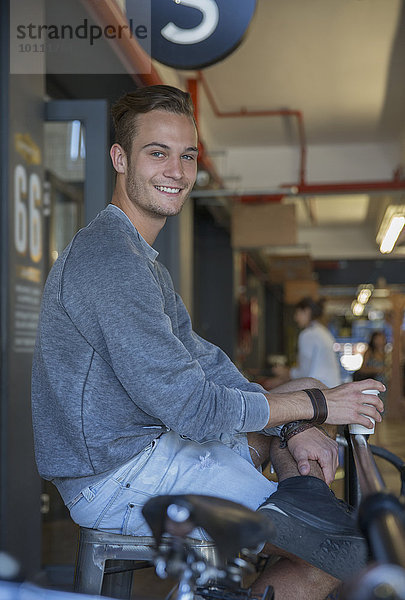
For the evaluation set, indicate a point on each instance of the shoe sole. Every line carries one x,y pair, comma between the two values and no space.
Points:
341,555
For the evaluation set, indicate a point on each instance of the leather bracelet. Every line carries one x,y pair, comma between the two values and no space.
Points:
319,405
292,428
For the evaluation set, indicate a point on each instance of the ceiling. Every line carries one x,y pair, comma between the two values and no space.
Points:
341,63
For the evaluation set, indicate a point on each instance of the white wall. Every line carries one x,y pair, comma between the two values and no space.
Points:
343,242
263,167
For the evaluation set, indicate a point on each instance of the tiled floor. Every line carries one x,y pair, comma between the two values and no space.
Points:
60,536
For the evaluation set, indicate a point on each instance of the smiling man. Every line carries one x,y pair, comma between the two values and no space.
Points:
156,174
128,402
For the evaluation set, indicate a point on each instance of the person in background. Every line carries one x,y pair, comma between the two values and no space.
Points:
375,360
316,357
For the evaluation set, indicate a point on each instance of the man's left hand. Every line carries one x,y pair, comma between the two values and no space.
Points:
312,444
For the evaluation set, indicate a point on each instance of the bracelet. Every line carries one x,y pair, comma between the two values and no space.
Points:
319,405
292,428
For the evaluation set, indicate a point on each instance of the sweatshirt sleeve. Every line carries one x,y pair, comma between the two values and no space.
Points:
216,364
119,308
219,367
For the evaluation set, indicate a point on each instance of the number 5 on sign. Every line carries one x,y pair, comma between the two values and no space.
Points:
27,216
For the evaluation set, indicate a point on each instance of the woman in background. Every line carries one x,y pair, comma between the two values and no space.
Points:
375,360
316,357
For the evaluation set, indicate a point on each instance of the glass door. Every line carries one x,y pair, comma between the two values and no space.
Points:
76,182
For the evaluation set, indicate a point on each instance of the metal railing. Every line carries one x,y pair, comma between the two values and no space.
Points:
381,518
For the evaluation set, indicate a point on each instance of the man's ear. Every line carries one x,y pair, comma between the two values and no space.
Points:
118,158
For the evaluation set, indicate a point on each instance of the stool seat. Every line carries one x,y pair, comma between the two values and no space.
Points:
128,553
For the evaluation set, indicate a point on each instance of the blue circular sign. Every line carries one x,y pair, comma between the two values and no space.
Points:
192,34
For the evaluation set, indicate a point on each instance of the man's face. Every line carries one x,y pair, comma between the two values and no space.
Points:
163,164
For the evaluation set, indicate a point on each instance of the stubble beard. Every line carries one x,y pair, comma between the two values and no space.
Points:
137,195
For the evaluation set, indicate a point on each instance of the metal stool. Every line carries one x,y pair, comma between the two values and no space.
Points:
128,552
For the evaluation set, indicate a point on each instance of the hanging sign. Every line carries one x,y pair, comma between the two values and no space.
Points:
192,34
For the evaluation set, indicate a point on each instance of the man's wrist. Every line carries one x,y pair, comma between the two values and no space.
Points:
319,405
288,406
291,429
310,413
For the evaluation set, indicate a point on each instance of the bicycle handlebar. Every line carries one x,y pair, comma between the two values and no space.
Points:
370,479
381,514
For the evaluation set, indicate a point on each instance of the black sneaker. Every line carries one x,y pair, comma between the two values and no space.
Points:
316,526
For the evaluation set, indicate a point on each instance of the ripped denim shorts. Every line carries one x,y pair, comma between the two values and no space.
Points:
171,464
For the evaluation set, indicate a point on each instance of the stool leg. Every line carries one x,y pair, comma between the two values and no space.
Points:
89,573
119,585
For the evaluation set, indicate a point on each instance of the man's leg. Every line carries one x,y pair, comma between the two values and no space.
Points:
310,581
263,447
291,576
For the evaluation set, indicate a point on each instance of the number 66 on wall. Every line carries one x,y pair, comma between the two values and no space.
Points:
27,215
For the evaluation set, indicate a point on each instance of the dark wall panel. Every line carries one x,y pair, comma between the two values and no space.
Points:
213,283
354,272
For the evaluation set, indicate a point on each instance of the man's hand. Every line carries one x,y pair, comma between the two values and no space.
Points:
347,404
312,444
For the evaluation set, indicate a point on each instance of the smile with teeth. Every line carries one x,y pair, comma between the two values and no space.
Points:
169,190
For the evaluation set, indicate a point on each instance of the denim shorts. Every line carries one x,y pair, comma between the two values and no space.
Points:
171,464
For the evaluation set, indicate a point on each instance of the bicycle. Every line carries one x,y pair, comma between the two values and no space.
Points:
381,518
236,531
239,532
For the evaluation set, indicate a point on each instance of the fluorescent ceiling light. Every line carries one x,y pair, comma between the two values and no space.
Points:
364,295
395,227
357,308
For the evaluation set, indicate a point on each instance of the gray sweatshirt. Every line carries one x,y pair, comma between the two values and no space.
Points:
117,363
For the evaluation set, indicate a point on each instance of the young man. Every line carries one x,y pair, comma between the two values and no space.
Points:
128,402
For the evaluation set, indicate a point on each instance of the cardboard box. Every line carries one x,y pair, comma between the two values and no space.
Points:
296,290
283,268
261,225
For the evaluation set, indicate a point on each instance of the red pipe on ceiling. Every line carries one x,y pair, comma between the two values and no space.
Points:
262,113
108,13
203,158
396,184
355,187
